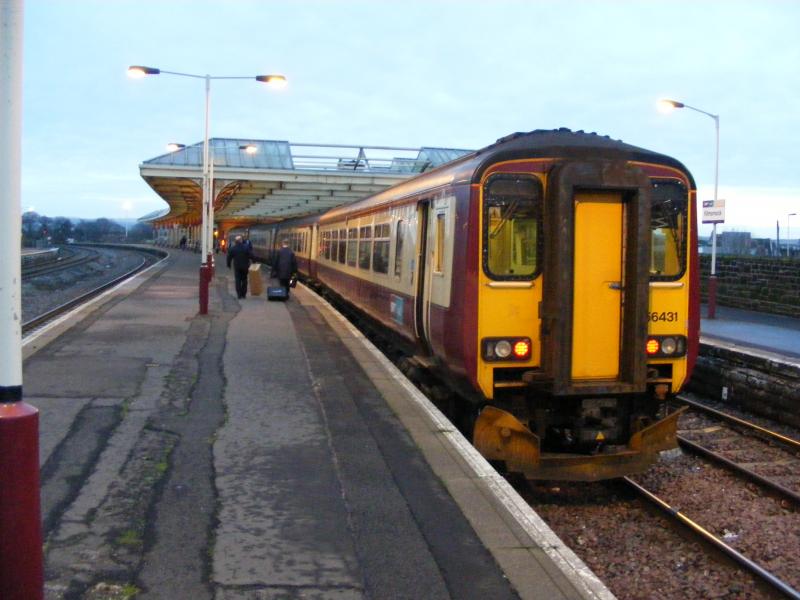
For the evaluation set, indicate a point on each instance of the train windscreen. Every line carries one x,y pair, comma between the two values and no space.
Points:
512,221
668,220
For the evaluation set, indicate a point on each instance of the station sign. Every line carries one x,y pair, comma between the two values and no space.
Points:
713,211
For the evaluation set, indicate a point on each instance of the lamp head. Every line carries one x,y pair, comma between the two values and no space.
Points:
665,105
172,147
276,81
138,71
249,148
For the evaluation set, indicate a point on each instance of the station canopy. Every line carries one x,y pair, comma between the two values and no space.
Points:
266,181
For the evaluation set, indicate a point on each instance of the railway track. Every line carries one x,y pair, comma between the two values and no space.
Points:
74,257
38,321
739,445
751,452
706,536
735,488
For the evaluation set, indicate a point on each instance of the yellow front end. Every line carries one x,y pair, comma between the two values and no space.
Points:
593,368
510,283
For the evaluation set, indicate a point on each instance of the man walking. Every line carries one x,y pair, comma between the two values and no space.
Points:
285,265
240,255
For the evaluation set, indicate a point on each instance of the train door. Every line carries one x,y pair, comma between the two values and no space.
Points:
598,288
435,258
422,286
313,241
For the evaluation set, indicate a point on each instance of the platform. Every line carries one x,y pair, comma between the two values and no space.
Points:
750,331
263,451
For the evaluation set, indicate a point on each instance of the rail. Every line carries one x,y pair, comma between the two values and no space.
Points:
707,536
75,256
46,317
762,431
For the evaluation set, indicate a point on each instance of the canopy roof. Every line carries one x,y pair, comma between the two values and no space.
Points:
279,180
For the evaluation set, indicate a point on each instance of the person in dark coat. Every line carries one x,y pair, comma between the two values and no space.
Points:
285,265
240,255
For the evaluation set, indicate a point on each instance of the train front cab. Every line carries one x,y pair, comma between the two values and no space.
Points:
583,330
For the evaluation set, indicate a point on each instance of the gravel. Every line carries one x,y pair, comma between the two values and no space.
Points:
635,550
638,553
45,292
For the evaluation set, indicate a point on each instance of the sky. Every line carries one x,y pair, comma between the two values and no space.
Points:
456,74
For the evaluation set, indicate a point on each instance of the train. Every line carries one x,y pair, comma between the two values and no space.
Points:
550,281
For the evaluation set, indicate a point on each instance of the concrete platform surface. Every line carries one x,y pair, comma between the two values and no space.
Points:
265,451
751,331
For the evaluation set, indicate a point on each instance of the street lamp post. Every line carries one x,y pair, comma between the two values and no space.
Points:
207,205
21,561
712,281
788,237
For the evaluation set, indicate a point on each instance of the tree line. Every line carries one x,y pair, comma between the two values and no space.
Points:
41,230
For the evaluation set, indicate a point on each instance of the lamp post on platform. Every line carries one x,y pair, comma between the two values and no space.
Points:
207,205
21,561
668,105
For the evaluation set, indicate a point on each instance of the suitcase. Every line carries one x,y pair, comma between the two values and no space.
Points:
277,293
254,280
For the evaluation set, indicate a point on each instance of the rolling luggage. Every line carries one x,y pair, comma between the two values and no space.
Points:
255,282
277,293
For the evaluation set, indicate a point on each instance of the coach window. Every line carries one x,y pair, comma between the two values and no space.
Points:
668,218
398,249
512,222
334,245
364,247
328,236
438,260
380,249
352,246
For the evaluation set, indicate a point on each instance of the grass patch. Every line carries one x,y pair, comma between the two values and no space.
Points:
129,538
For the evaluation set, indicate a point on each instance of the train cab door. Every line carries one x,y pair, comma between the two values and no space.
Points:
422,292
598,289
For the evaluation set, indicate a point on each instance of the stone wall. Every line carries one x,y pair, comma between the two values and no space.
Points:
763,284
760,385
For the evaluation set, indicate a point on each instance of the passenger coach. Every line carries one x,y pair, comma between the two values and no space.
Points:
550,279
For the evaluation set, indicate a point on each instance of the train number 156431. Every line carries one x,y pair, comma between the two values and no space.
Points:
669,317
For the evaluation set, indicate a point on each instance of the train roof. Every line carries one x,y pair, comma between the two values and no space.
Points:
540,143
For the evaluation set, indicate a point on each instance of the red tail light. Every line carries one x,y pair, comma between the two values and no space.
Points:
522,349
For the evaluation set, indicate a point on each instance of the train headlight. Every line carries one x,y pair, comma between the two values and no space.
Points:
510,349
502,349
666,346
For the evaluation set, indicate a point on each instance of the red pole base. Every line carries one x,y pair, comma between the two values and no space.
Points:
712,297
21,574
204,280
210,263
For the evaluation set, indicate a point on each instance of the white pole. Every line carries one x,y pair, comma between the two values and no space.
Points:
213,197
716,188
10,199
206,179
